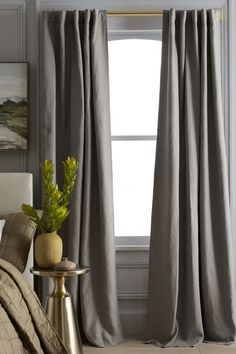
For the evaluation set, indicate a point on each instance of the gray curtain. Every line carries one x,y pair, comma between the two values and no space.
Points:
191,284
76,122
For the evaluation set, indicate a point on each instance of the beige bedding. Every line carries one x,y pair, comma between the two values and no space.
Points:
24,327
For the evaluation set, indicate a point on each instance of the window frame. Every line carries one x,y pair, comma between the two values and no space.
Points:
122,33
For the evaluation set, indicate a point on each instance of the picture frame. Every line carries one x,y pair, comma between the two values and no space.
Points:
14,106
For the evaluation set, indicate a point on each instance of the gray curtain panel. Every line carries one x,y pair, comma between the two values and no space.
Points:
76,122
191,284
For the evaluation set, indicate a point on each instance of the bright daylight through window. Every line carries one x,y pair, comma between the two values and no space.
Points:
134,66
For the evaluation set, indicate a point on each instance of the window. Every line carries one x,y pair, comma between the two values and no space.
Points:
134,64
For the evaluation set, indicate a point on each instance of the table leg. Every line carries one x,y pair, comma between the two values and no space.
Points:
61,311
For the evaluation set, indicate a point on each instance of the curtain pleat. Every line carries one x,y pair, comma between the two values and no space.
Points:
191,286
76,122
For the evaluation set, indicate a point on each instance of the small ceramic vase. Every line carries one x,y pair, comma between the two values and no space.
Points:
48,249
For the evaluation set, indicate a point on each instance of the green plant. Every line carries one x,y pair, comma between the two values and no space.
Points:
56,201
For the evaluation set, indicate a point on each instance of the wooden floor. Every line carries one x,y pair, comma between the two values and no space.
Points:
137,347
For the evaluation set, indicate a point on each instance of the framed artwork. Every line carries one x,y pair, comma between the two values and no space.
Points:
14,106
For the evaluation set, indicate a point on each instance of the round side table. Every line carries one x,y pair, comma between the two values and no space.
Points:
60,307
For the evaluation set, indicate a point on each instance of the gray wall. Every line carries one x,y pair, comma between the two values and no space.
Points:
13,48
17,43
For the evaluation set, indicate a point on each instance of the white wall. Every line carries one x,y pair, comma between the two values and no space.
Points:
20,40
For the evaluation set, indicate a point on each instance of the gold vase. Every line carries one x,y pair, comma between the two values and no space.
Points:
48,249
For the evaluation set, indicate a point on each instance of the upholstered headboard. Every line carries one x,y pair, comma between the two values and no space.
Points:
15,189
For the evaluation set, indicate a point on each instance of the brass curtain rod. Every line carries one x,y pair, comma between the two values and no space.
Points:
135,13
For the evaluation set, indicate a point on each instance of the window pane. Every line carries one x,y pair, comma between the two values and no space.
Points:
134,66
133,169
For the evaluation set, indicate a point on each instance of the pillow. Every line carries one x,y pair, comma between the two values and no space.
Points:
16,239
2,222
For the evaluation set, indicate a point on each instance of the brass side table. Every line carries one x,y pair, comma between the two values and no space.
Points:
60,307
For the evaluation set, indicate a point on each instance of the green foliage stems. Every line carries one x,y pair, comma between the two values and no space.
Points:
56,201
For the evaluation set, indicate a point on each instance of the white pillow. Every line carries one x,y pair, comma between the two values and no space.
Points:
2,222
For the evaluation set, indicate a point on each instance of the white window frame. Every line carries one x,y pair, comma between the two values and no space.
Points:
119,34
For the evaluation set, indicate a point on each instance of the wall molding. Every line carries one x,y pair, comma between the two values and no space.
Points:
132,264
18,7
132,248
132,296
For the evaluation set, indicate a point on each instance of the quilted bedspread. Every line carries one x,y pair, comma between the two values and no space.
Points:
24,326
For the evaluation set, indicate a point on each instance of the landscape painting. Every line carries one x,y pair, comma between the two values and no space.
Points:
13,106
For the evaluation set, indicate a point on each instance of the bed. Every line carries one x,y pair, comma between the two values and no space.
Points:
15,189
24,326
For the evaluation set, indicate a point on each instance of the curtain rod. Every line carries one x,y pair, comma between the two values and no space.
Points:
135,13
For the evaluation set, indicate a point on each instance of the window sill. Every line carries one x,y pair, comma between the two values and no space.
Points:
132,248
132,243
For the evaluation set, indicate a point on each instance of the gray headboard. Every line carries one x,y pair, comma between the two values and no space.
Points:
15,189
